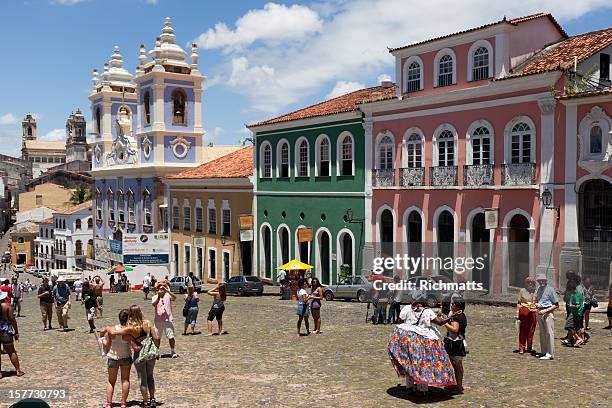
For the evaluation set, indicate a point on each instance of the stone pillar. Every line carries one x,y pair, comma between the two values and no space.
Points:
158,108
570,258
547,216
367,254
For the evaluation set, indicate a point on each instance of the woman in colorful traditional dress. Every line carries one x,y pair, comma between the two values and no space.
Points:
417,351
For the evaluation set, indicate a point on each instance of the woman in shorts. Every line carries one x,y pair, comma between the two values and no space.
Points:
302,306
217,309
191,305
316,296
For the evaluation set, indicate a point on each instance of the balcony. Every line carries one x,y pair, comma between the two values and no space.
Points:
444,176
413,176
383,178
518,174
478,175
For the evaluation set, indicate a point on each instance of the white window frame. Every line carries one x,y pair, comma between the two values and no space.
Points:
318,143
469,156
121,208
406,143
470,63
208,250
508,138
131,208
379,139
99,205
439,55
407,63
198,206
262,160
279,145
340,151
298,157
435,152
226,207
185,262
211,206
223,252
175,215
147,210
186,215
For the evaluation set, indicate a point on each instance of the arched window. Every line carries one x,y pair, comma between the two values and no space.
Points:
98,122
77,224
520,143
29,130
595,140
121,206
146,101
131,219
385,153
266,161
414,151
302,158
346,156
283,159
323,163
110,201
445,232
90,223
146,198
179,111
445,70
481,146
413,77
78,248
446,148
98,205
480,69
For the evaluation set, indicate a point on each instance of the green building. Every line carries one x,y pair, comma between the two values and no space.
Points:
310,195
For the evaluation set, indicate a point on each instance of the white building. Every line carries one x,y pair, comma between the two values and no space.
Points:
44,245
73,236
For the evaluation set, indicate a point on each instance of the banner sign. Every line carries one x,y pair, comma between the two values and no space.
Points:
246,235
305,235
246,222
491,218
115,246
146,249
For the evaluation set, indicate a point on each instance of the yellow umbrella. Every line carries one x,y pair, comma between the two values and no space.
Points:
295,265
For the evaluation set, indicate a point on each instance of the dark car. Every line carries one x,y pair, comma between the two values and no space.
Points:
244,285
6,258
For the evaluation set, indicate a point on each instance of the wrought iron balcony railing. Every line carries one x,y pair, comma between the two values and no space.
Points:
516,174
383,177
478,175
444,176
412,176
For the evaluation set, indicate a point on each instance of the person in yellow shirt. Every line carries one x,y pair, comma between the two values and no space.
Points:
526,314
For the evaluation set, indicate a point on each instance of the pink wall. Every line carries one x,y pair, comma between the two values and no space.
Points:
533,35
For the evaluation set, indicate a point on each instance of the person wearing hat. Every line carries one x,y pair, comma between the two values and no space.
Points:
61,293
546,303
9,332
45,296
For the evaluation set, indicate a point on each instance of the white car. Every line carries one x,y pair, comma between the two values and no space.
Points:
18,268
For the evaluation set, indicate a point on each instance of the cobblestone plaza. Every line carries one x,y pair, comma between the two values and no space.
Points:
262,363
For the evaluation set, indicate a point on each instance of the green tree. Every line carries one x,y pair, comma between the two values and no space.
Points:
80,194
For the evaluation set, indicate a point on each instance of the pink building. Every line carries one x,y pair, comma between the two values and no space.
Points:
497,117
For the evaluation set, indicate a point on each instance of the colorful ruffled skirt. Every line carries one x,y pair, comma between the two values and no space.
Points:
422,360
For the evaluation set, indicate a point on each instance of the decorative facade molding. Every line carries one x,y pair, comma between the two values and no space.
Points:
595,163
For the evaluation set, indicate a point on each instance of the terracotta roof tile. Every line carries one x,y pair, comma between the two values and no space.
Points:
514,21
560,56
586,94
344,103
72,210
234,165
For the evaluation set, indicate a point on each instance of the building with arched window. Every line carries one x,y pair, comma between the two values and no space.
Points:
310,201
476,156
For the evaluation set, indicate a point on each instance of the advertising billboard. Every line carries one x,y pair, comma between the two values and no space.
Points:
145,249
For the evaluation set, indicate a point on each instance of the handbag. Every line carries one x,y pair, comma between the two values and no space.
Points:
149,350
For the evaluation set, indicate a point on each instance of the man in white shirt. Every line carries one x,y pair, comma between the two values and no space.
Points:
78,288
146,285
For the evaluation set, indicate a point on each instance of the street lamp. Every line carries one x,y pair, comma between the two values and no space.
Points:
348,216
547,201
222,239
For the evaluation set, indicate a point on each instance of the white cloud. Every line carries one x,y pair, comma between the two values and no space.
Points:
277,61
152,1
37,115
275,22
66,2
8,119
54,135
214,135
344,87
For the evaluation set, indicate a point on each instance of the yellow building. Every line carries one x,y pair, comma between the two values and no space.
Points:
45,195
211,218
22,243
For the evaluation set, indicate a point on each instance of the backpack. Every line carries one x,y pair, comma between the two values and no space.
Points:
149,350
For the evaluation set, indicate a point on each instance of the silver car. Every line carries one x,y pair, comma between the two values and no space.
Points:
353,287
178,285
244,285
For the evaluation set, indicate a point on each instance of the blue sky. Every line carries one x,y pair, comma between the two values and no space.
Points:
261,58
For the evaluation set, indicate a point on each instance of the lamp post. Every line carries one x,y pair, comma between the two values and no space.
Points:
223,239
547,201
348,216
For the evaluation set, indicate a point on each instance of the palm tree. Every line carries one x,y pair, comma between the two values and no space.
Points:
80,195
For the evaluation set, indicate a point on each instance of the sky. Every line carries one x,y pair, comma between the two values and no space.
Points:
261,58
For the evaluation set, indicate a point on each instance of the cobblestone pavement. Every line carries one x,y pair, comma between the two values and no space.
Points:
262,363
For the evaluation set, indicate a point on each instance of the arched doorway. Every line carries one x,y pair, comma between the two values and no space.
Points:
266,237
596,231
480,247
518,250
446,241
414,238
386,237
324,255
346,252
283,245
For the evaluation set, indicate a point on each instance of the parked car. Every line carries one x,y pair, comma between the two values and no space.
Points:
31,269
18,268
6,257
353,287
177,284
243,285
